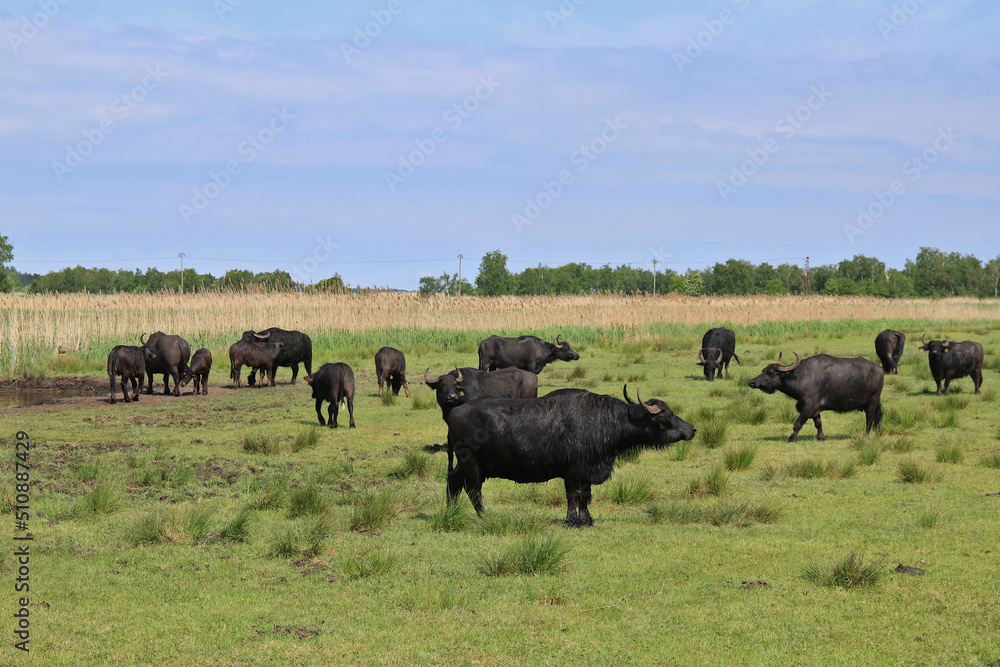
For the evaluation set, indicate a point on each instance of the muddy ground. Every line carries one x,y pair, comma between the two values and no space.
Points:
97,387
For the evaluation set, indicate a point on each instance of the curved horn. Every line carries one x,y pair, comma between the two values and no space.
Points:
557,343
791,367
947,341
701,355
459,374
924,339
651,409
719,360
264,337
628,399
427,379
142,339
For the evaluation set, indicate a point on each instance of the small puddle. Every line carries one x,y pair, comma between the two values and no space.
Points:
15,398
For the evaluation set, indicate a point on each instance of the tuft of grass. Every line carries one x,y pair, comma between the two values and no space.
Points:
740,458
150,528
902,444
949,451
850,572
260,443
531,555
236,529
870,453
372,511
722,513
578,372
305,439
104,498
989,395
682,450
418,402
389,398
270,495
415,464
452,517
631,490
628,456
929,518
913,472
713,484
769,472
953,402
314,533
815,468
991,460
504,523
196,520
306,500
713,431
283,543
371,564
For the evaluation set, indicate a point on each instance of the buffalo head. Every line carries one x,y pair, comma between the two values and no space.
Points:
935,348
448,388
711,363
771,378
658,414
564,352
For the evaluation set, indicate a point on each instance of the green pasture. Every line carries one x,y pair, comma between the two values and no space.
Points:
232,530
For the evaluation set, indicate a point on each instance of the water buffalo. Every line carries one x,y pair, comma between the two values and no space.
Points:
950,360
718,347
128,361
171,354
333,383
390,366
256,355
574,434
467,384
889,348
201,365
822,383
297,349
526,352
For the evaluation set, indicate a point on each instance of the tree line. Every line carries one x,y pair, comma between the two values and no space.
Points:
933,273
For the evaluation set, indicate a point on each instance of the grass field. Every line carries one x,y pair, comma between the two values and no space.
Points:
231,530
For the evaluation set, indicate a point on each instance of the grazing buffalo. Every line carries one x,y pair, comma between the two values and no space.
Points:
575,435
822,383
171,354
201,365
128,361
333,383
467,384
950,360
256,355
527,353
718,347
296,349
889,348
390,366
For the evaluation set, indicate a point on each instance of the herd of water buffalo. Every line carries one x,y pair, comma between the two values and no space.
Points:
499,427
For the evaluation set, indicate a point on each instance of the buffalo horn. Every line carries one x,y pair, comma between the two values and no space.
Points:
719,360
459,373
651,409
701,355
947,341
791,367
427,379
628,399
557,343
264,337
142,339
923,339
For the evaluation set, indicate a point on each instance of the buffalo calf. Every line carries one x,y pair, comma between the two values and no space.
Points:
390,366
201,365
128,361
889,348
333,383
263,356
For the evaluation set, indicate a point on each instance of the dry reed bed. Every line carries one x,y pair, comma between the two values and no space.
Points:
75,321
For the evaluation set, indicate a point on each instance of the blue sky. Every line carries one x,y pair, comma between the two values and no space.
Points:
380,139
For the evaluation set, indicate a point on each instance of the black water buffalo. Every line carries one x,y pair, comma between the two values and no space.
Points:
333,383
575,435
718,347
390,366
128,361
889,348
171,358
201,365
467,384
950,360
297,349
822,383
527,353
258,356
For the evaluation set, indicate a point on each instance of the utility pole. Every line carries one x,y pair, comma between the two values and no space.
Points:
808,279
654,275
460,274
181,255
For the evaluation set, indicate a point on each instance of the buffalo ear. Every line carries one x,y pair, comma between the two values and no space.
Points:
699,363
309,379
923,348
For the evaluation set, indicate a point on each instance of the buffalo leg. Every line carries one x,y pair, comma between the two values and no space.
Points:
406,388
473,484
977,379
585,496
177,383
149,386
138,389
456,482
819,427
295,373
350,409
112,378
939,387
332,412
252,378
873,416
576,503
319,411
797,426
204,384
197,385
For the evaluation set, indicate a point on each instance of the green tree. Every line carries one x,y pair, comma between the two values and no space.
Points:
736,276
694,284
993,274
6,255
494,277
